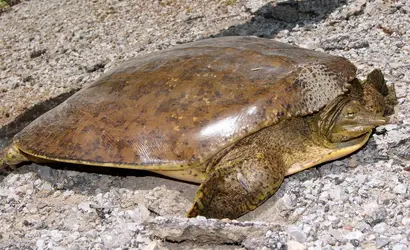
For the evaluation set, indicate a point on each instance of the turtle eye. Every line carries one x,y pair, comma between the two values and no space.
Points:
350,115
350,112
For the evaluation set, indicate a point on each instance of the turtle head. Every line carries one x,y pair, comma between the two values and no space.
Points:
355,114
352,121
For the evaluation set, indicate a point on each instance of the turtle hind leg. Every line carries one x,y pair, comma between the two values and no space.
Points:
10,157
238,184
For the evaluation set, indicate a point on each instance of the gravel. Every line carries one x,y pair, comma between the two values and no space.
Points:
48,49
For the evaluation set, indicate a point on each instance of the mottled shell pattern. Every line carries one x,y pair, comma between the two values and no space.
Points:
183,105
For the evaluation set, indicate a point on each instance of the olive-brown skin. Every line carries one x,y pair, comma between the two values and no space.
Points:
244,175
236,114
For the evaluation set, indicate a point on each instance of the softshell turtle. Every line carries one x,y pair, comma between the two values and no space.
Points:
235,114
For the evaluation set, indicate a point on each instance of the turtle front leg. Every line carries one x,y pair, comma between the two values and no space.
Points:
10,157
239,183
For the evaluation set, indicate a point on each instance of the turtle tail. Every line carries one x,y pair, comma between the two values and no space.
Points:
10,157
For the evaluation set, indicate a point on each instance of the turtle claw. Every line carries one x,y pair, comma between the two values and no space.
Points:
194,211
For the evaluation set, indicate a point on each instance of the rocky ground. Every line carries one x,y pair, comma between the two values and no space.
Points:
50,48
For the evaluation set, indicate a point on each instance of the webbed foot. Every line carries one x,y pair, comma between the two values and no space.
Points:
236,187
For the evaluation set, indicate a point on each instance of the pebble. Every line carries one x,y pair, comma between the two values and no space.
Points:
200,218
354,9
336,234
46,186
153,245
140,214
362,226
333,218
296,234
355,242
380,228
32,208
337,193
352,163
406,204
381,242
397,237
40,244
289,200
74,236
133,227
399,246
375,217
307,229
140,238
324,196
4,192
405,221
348,246
46,173
354,235
400,189
295,245
376,183
85,206
390,127
67,193
12,178
56,236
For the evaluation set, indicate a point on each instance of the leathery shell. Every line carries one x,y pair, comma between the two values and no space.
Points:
183,105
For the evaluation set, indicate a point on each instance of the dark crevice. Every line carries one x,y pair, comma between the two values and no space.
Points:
197,242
